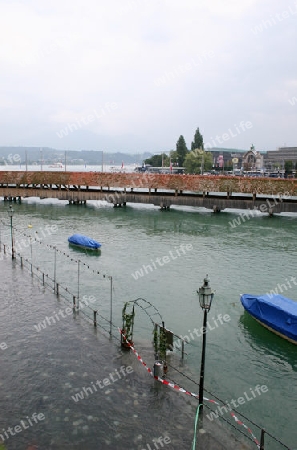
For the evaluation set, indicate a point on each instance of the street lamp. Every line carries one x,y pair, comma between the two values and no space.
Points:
10,213
205,298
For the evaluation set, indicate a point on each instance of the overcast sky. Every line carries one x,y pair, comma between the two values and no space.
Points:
133,75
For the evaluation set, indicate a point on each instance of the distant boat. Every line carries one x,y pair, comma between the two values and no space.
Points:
114,169
275,312
84,242
57,166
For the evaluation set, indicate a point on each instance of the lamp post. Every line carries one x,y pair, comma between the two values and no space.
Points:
78,279
10,213
205,298
55,269
110,305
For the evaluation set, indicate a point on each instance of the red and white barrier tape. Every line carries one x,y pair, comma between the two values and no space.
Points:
184,391
239,422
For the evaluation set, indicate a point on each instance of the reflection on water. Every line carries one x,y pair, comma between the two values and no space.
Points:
265,342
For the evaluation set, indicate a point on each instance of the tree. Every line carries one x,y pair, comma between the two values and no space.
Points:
288,166
198,141
156,160
198,161
174,159
181,150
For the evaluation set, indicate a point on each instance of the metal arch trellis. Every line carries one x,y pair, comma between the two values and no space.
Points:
147,305
151,311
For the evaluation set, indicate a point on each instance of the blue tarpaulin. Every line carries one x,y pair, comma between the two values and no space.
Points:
275,311
84,241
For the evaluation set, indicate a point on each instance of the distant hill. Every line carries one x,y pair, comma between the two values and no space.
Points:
15,155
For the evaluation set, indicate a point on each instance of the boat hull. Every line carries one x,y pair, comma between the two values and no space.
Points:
275,312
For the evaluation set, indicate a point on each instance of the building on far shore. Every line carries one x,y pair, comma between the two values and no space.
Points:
277,158
253,159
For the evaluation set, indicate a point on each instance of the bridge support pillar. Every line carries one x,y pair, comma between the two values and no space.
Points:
164,206
11,199
216,209
77,202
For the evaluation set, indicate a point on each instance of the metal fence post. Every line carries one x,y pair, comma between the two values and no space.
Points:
110,306
262,439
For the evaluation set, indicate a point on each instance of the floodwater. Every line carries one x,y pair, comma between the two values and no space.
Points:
161,257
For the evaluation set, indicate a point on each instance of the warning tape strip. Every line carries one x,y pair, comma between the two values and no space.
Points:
184,391
246,427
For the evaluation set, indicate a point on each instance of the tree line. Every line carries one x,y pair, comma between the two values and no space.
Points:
195,161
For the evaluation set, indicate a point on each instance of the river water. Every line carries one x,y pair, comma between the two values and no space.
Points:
162,257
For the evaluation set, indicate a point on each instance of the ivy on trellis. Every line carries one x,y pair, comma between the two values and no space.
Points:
128,324
160,341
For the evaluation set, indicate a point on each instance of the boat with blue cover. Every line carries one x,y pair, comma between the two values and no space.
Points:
275,312
84,242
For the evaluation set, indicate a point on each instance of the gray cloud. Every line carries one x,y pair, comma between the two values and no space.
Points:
169,66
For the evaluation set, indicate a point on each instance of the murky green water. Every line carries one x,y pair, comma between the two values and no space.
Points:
163,258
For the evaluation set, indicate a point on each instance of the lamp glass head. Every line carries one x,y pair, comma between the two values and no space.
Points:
205,295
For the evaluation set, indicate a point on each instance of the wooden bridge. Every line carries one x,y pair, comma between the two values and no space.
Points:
267,195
